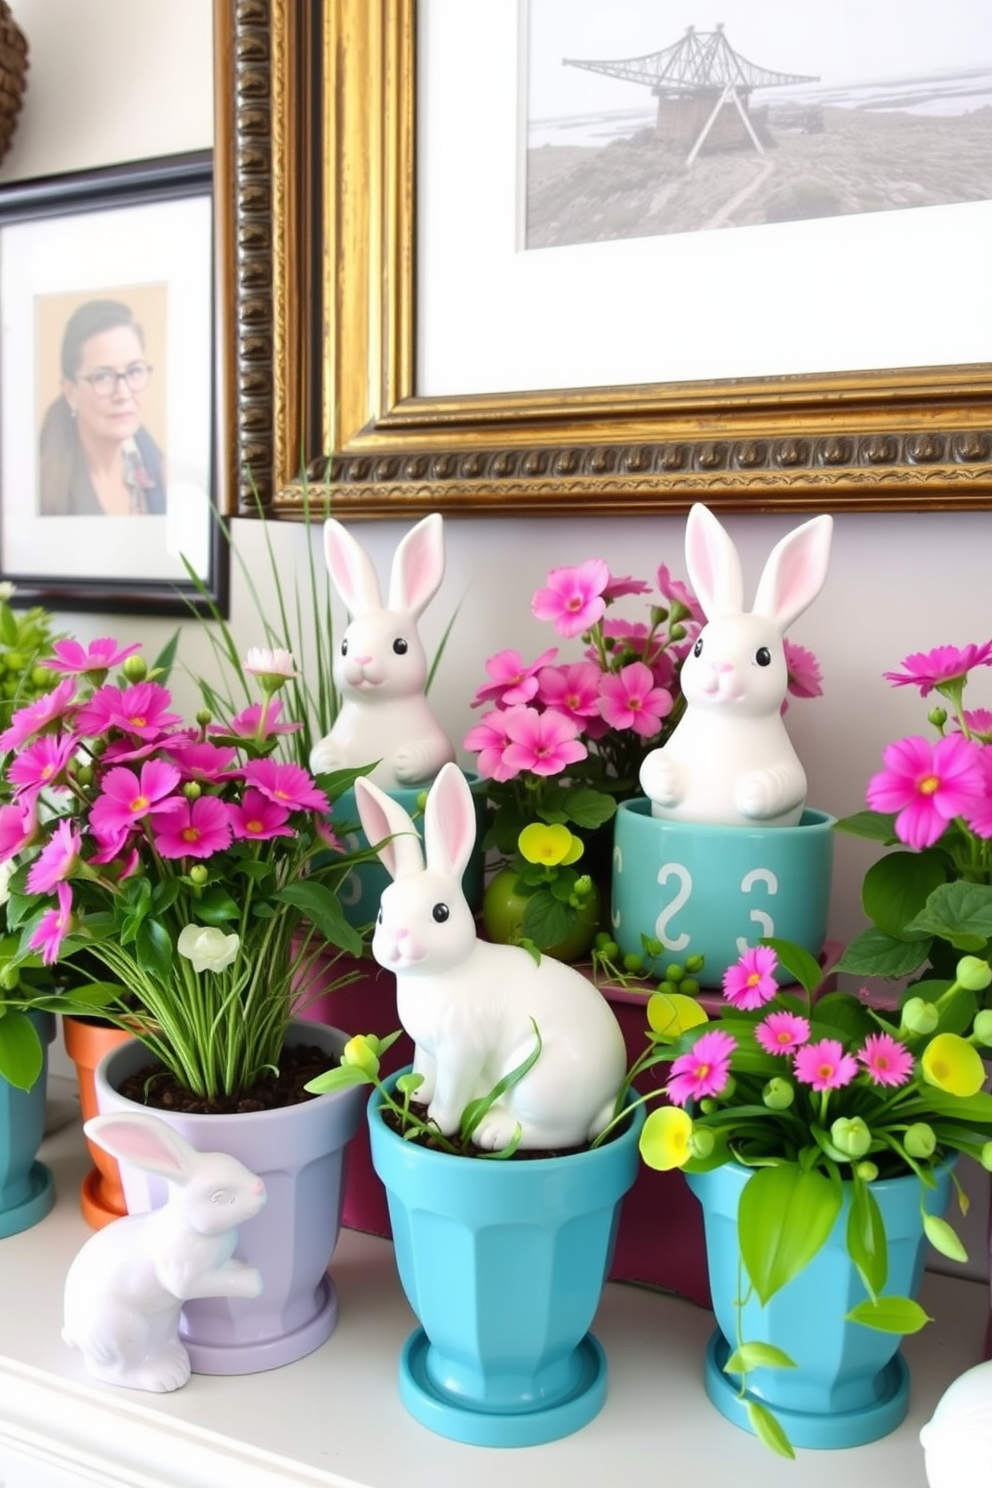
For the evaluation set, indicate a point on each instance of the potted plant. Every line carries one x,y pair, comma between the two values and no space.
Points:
187,862
503,1221
819,1135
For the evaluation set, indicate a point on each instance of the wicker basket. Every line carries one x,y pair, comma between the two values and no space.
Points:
13,72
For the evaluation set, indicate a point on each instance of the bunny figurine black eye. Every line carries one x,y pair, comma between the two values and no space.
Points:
381,669
730,761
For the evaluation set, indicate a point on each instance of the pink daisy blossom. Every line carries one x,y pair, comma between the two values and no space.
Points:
287,784
929,669
257,723
616,587
202,761
824,1065
327,835
674,589
41,764
514,682
195,829
39,715
256,818
53,926
99,656
979,814
704,1070
630,700
886,1060
978,722
572,690
750,982
805,677
573,599
56,860
544,743
264,661
782,1033
927,784
127,797
141,710
489,740
18,828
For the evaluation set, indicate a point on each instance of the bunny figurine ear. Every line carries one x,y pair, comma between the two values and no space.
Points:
382,817
143,1140
794,572
713,564
449,823
351,569
418,566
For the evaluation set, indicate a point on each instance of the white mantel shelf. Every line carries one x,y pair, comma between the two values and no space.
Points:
335,1418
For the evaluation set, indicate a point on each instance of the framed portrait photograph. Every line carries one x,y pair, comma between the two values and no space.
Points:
107,471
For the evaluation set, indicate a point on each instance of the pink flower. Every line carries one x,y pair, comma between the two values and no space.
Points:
979,815
127,798
572,690
141,710
18,828
288,785
630,700
202,761
782,1033
824,1065
37,716
53,926
513,681
573,599
929,669
56,860
98,656
489,739
257,818
927,784
673,589
886,1060
978,721
616,588
751,982
805,677
257,723
544,743
704,1070
42,764
195,829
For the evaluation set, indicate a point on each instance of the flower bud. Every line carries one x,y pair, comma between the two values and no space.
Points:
919,1140
192,790
9,977
199,875
867,1172
973,974
135,668
204,717
986,1157
982,1026
778,1094
359,1053
851,1136
694,964
938,717
582,888
919,1016
701,1142
674,972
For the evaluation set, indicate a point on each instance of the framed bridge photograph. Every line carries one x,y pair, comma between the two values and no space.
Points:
580,257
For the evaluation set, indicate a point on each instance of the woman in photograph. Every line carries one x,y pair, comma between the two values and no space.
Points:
95,458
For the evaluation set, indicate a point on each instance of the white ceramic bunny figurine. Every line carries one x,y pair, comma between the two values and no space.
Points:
730,760
468,1004
125,1289
957,1440
381,668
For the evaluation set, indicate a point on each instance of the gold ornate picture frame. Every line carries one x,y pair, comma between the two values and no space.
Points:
316,201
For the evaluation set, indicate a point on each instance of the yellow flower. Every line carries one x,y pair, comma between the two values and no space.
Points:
665,1139
551,845
359,1051
952,1064
671,1013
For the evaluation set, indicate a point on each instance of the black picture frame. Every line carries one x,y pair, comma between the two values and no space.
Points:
147,228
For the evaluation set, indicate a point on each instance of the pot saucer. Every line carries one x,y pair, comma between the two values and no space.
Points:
40,1202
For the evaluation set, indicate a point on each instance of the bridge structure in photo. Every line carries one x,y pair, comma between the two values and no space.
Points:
703,87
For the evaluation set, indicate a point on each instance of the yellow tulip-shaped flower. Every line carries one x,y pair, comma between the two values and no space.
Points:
665,1139
952,1064
551,845
671,1013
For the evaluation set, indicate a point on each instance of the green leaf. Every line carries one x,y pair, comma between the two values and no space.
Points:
841,1013
154,947
959,912
890,1315
323,909
873,825
767,1429
784,1217
546,921
969,1109
944,1238
873,953
757,1356
21,1052
215,907
803,967
341,1077
587,807
866,1238
897,887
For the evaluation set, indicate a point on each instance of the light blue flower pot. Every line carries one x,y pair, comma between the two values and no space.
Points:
27,1189
851,1384
713,891
361,891
504,1263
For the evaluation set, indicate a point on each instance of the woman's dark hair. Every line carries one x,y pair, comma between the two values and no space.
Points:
89,320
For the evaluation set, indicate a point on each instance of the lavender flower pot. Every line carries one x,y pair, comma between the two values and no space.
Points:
299,1152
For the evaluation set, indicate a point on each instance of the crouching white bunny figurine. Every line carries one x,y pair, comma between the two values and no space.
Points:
468,1005
730,760
380,668
125,1289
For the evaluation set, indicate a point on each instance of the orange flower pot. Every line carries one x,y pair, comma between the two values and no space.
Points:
86,1040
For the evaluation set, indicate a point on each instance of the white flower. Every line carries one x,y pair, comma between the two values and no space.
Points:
264,661
7,590
7,871
207,948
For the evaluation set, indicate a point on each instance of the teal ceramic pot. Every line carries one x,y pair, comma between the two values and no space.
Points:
504,1263
714,890
851,1384
27,1189
359,895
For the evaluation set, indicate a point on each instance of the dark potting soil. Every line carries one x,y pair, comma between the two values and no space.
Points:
469,1149
155,1087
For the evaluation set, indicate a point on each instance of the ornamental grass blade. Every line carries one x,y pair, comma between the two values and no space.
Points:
767,1429
783,1219
890,1315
